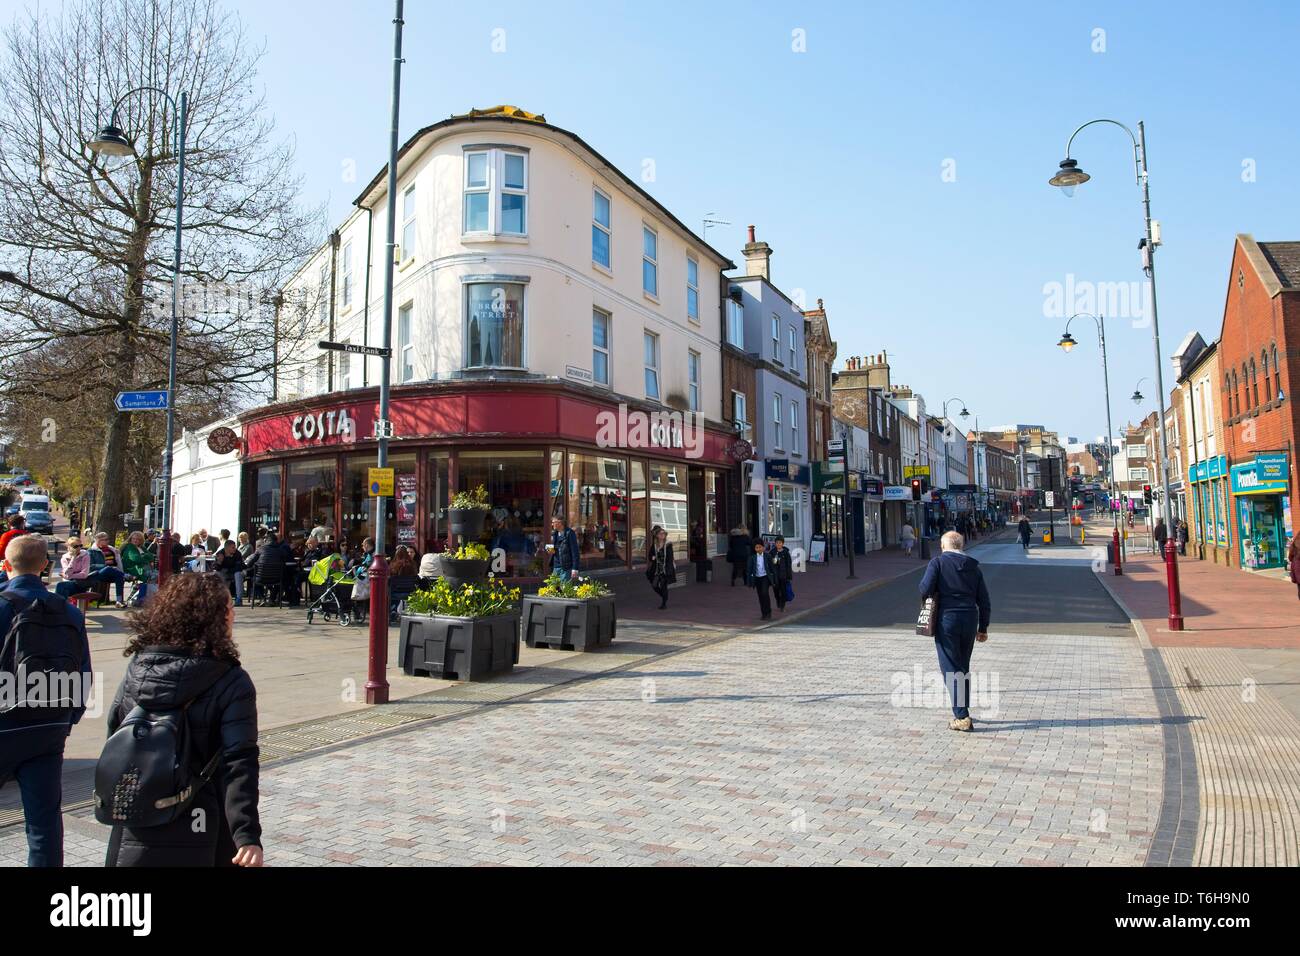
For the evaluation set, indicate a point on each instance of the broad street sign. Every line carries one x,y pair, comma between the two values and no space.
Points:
916,471
154,401
356,349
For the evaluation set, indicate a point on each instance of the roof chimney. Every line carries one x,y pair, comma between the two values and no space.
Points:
758,257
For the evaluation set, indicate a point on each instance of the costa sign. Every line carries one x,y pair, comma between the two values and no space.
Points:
223,440
324,425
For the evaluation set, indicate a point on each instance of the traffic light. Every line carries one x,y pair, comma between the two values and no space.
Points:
1146,493
916,489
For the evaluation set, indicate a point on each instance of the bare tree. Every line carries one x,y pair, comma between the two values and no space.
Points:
86,241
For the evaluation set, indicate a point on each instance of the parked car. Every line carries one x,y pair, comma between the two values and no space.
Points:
39,522
12,509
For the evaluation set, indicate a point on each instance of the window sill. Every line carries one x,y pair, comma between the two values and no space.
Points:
603,270
345,311
651,296
468,237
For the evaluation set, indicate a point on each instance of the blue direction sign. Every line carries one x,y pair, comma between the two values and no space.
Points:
142,401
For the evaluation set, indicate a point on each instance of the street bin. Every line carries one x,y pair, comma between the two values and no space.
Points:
1047,537
1110,552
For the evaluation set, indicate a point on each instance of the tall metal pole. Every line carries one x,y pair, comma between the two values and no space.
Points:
1117,541
1171,548
377,680
165,545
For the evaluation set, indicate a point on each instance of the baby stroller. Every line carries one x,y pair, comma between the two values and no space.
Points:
330,590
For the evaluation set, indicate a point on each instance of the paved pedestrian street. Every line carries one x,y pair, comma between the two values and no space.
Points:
823,741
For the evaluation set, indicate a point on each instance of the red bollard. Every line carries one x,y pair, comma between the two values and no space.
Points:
164,556
1171,577
377,679
1119,561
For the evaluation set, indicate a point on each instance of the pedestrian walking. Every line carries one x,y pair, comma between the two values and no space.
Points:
962,618
185,665
1025,531
782,573
759,576
661,571
1160,534
738,552
907,538
39,631
1183,536
565,553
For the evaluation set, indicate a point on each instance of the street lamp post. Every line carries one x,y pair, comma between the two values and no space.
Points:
1159,491
111,141
377,676
1068,342
948,439
1068,177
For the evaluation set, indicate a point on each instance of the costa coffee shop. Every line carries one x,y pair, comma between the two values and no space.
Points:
540,448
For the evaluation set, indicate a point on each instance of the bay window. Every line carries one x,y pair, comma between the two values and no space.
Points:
496,192
494,325
408,223
405,350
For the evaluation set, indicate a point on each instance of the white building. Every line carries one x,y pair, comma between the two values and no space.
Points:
205,484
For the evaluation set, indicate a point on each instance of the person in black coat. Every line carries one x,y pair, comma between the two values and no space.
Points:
1024,530
661,571
782,570
229,562
738,544
956,581
183,655
761,576
267,565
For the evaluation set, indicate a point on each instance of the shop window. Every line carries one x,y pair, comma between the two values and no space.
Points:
309,496
638,511
494,325
668,505
517,521
359,507
783,510
266,497
436,496
598,508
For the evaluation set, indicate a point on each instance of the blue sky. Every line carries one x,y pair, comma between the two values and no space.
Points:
838,154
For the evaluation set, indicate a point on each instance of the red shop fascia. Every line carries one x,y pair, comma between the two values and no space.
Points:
444,418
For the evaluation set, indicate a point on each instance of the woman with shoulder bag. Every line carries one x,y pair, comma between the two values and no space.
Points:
184,659
662,571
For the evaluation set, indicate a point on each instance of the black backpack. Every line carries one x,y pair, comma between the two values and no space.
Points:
144,777
43,639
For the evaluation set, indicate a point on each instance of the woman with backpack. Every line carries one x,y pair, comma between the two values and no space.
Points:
184,672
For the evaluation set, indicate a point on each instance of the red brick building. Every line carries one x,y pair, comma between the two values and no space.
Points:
1259,362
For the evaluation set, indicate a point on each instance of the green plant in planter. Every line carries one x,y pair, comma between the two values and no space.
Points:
557,585
469,600
472,551
476,499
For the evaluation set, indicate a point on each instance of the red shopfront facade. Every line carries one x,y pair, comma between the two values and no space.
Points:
540,449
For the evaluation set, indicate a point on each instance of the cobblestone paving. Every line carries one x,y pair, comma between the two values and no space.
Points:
789,746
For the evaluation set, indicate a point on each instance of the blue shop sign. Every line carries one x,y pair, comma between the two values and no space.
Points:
1266,475
782,469
1218,466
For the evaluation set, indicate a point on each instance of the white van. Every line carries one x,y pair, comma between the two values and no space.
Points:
34,502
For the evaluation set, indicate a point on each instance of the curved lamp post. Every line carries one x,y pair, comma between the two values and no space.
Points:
1067,177
1068,342
947,443
112,141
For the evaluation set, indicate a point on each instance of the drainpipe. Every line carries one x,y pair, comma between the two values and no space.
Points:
334,265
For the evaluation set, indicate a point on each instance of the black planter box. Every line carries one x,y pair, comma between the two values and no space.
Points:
461,571
459,648
466,522
569,624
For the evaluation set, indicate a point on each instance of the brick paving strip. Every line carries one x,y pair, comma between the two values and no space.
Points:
639,641
1244,745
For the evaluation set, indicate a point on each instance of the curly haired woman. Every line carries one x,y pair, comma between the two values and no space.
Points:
183,656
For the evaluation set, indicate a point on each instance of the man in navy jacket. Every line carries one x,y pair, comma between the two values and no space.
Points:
31,749
565,554
956,580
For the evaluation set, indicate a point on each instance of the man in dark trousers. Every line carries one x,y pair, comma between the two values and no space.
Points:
1161,535
32,737
564,548
957,582
783,570
760,575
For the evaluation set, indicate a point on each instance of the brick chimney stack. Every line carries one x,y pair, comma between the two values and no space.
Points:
758,257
